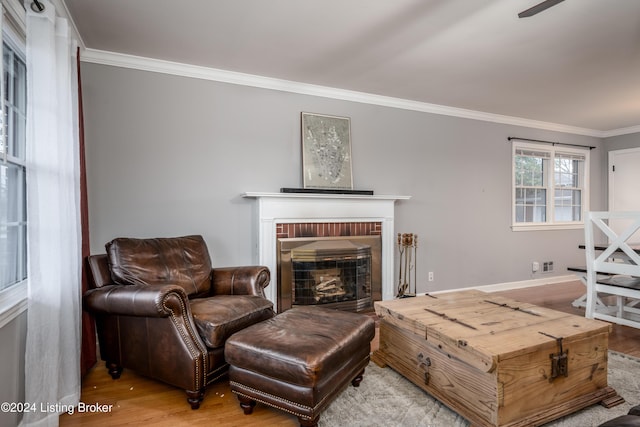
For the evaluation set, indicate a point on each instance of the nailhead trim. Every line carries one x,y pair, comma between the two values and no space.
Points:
277,398
188,339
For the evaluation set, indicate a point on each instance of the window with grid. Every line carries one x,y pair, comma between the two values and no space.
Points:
550,186
13,215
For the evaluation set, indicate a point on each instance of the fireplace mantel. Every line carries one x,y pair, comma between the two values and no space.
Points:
282,208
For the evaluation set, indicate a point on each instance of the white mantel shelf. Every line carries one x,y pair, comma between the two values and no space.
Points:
258,195
282,208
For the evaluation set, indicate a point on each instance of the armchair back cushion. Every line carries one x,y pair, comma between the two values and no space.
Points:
182,261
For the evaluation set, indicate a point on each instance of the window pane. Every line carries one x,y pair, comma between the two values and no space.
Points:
567,173
13,212
11,193
577,213
568,205
519,196
7,54
20,87
13,254
15,102
18,135
529,171
530,196
12,225
531,205
569,178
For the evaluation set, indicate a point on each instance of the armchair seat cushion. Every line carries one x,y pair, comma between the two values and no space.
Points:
220,316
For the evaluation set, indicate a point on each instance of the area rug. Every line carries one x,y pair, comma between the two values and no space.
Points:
385,398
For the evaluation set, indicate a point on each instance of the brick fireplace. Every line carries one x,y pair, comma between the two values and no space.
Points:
361,220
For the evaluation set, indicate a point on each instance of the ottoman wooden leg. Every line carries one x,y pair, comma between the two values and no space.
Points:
246,404
358,379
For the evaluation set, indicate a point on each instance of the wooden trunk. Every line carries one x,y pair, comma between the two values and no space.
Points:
493,360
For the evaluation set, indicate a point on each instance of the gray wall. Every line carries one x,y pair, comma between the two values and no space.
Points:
622,142
13,339
169,155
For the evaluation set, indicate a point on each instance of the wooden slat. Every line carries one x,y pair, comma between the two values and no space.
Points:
458,385
525,382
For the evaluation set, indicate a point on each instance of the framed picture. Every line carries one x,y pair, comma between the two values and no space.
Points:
326,152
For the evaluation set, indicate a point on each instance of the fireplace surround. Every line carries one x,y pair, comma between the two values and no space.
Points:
337,213
342,272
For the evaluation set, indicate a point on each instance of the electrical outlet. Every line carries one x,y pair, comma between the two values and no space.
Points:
535,266
431,276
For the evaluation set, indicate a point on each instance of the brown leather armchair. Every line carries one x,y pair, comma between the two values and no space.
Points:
163,311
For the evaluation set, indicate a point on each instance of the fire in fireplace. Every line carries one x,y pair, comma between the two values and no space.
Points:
340,272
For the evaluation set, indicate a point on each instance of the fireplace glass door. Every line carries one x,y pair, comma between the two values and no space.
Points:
331,272
331,279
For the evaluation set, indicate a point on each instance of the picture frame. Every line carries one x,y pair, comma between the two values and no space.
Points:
326,152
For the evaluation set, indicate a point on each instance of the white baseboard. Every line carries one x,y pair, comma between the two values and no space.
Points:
514,285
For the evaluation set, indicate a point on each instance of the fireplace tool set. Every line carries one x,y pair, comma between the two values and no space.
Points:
407,246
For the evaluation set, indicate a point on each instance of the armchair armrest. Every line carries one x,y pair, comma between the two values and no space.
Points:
244,280
137,300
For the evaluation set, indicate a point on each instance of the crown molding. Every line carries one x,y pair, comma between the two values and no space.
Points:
621,131
194,71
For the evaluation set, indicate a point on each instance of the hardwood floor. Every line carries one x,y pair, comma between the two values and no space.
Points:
138,401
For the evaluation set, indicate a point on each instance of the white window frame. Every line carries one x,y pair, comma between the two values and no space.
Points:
13,300
549,185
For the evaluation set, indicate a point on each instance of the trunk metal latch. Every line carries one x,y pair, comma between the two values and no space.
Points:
559,360
424,364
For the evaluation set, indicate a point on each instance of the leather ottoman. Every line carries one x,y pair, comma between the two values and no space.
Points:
300,360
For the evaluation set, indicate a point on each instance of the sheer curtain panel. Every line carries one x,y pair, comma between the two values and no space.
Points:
53,215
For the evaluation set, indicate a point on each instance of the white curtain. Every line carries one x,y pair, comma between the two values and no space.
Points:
52,368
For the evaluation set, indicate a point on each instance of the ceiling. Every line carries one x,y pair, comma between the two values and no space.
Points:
576,64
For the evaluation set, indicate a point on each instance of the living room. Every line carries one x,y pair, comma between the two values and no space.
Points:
172,145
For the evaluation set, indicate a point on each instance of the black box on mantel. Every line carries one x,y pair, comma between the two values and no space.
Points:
327,191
